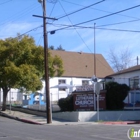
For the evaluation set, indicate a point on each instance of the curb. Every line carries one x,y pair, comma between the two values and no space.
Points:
126,123
18,119
29,121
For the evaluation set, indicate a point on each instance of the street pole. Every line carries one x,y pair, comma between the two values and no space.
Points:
46,66
48,107
0,99
94,52
94,67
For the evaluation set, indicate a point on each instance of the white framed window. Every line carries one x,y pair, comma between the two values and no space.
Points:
62,81
134,82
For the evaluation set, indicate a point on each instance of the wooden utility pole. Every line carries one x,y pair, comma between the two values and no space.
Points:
48,106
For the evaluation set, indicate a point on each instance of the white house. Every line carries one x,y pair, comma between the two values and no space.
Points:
79,67
130,77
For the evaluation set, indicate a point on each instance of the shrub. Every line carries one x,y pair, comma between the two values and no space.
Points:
115,95
66,104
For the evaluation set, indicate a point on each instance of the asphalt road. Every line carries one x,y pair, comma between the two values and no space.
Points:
15,130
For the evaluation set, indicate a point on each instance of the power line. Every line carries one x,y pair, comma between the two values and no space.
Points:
119,23
68,26
30,31
99,9
5,2
84,27
101,17
20,14
119,30
79,34
48,20
81,9
74,27
52,1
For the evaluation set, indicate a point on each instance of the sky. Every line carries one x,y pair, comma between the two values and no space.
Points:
16,16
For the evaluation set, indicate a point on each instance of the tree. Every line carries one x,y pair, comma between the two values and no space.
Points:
51,47
115,95
22,65
60,48
119,60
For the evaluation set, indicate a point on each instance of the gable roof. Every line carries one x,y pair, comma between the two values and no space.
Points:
131,69
82,64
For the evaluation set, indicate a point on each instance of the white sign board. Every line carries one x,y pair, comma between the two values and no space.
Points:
97,88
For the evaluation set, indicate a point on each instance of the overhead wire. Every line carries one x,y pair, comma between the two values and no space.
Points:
74,27
119,23
20,14
80,9
81,36
5,2
61,17
100,9
101,17
86,27
122,30
48,20
67,26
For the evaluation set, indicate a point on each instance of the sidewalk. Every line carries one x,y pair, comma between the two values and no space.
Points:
40,120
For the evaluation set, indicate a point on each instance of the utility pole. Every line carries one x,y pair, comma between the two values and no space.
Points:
94,52
137,60
46,66
46,54
48,106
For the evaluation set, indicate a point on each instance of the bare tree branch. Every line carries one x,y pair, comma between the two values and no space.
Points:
119,60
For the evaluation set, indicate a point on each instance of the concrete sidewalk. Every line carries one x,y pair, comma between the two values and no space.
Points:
40,120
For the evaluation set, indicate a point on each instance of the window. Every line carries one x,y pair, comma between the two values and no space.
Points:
85,82
134,82
62,81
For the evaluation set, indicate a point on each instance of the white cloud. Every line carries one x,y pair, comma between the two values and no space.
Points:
11,29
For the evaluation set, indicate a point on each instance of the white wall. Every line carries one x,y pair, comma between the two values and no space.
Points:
124,78
55,94
92,116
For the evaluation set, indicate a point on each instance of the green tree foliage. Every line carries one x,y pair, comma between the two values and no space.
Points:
116,93
22,65
60,48
66,104
51,47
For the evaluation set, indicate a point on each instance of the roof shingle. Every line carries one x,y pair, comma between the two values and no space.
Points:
82,64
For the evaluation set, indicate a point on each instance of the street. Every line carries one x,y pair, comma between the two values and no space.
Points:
15,130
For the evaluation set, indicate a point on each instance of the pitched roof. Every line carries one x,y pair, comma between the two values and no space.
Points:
131,69
82,64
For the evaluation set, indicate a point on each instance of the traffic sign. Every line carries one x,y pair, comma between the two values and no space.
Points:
97,88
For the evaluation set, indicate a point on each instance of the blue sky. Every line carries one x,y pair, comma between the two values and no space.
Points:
16,17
